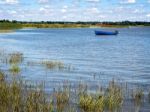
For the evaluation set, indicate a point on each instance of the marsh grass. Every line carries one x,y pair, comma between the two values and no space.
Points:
111,100
149,97
15,69
15,58
62,100
138,96
3,57
2,78
17,95
53,65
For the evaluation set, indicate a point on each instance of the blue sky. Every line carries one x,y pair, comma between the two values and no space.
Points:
75,10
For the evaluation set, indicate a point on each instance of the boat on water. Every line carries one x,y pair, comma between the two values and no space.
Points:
99,32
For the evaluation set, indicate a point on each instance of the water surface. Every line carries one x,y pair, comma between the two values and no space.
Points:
93,58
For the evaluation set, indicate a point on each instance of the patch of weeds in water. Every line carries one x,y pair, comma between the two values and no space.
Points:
114,96
138,96
53,65
15,58
3,57
36,102
14,69
62,98
15,97
149,97
2,76
111,100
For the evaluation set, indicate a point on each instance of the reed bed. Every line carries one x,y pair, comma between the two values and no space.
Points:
17,95
53,64
15,58
15,69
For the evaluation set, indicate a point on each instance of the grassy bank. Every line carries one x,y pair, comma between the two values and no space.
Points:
7,26
10,26
56,25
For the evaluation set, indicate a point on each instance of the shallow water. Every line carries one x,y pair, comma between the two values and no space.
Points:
94,58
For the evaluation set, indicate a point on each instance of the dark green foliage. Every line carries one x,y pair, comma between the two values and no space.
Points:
11,25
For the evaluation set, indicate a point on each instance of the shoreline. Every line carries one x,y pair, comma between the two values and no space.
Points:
91,27
6,31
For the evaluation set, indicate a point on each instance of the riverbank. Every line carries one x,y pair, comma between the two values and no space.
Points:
6,31
8,26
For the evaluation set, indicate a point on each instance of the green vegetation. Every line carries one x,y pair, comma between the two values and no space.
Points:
111,99
14,69
15,58
17,95
53,64
7,26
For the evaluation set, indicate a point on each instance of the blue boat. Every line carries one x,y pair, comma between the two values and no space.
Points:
98,32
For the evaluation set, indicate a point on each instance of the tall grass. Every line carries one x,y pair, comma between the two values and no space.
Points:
111,100
10,26
16,95
53,64
14,69
15,58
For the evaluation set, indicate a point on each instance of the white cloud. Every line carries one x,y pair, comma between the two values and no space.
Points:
93,10
148,15
65,7
128,1
63,10
93,0
43,1
45,10
136,11
12,12
131,1
11,1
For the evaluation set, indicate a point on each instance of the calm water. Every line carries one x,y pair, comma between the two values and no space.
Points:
125,57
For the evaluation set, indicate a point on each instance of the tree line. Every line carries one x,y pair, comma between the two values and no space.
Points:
145,23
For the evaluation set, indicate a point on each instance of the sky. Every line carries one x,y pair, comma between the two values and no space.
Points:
75,10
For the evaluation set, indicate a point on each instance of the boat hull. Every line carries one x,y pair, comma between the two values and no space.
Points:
105,33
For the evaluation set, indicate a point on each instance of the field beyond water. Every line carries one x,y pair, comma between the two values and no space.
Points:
72,70
6,25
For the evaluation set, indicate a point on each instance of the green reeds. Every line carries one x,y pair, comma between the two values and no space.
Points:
149,97
14,69
138,96
111,100
2,77
53,64
15,58
15,97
